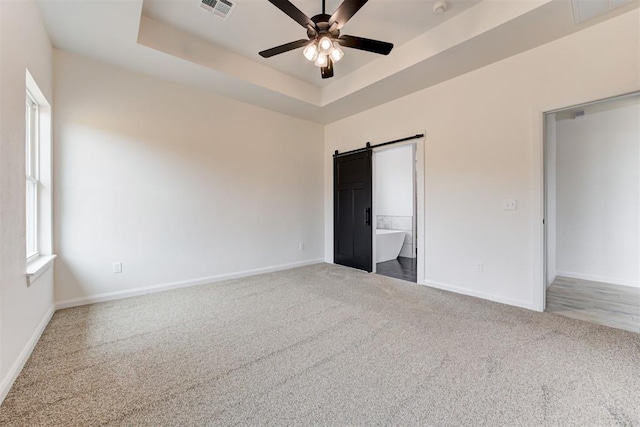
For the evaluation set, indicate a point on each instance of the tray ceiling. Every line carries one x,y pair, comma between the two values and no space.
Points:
178,41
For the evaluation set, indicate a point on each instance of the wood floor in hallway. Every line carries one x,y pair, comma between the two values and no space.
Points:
603,303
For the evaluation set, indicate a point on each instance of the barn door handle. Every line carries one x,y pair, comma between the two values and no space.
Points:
367,216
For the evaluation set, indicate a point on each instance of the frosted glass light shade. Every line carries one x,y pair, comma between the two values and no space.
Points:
336,52
324,45
321,61
311,51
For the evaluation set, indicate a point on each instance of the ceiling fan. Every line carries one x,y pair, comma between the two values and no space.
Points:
324,39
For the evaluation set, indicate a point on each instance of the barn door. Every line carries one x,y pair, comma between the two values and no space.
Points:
352,183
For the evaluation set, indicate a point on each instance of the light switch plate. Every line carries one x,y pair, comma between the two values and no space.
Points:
510,204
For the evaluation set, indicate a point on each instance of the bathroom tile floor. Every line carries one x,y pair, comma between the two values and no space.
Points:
401,268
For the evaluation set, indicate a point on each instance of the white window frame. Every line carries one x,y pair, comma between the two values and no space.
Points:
32,151
38,175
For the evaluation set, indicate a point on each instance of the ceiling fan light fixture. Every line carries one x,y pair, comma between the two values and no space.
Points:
336,52
325,45
311,51
321,61
324,42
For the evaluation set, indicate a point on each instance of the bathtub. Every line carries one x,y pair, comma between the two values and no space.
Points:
388,244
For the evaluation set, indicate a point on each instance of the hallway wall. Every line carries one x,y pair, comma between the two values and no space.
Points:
598,187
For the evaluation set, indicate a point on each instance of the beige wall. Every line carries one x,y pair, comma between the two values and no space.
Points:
24,44
178,184
483,145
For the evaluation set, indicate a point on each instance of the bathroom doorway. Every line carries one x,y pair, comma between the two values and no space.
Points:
395,209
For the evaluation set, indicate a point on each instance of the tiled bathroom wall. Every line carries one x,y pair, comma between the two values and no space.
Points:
404,223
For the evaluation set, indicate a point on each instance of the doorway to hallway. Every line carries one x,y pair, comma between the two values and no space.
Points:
592,212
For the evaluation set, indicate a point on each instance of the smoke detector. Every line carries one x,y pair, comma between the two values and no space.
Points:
440,7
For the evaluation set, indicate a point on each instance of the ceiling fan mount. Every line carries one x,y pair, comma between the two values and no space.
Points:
322,27
323,31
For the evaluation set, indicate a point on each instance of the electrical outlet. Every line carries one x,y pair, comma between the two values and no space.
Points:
117,267
510,204
479,267
301,246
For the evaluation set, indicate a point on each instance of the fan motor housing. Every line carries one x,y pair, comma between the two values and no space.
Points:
322,27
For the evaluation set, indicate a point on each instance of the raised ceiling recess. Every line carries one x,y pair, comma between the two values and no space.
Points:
178,40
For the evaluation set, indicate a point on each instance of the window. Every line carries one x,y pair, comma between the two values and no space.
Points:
38,202
32,168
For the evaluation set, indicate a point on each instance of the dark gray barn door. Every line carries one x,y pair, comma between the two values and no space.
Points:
352,210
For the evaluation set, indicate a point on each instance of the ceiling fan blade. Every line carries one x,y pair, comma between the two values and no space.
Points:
327,72
375,46
294,13
283,48
345,11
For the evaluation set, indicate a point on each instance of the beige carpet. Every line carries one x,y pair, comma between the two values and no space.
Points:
324,345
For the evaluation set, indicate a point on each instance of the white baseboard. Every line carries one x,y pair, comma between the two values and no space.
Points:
602,279
15,370
109,296
470,292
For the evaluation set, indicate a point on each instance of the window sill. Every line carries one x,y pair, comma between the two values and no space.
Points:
38,267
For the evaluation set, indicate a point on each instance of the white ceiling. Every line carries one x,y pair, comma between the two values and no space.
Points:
256,25
177,41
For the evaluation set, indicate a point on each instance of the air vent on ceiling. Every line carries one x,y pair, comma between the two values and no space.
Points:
583,10
220,8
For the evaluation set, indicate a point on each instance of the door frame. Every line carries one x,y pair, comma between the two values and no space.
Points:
419,145
539,193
